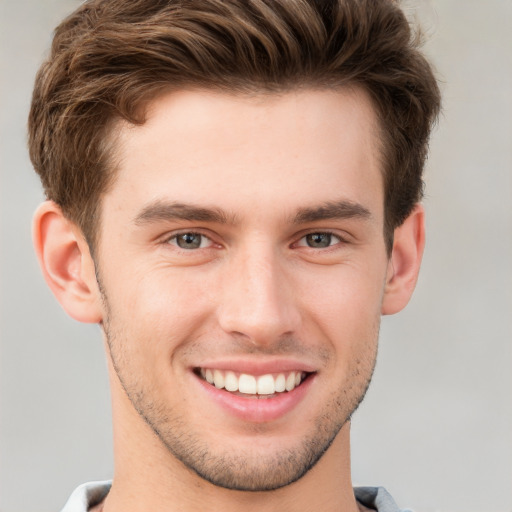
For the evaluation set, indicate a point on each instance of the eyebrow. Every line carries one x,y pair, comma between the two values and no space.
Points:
166,211
161,210
331,210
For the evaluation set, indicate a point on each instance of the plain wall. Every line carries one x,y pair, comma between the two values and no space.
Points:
436,426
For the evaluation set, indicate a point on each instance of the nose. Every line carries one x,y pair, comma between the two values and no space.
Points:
258,298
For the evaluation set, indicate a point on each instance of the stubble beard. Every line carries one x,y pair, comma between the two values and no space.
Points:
238,469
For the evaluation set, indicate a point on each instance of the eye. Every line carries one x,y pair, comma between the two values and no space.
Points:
319,240
190,241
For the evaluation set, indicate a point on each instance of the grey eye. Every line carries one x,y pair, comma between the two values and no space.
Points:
189,240
319,240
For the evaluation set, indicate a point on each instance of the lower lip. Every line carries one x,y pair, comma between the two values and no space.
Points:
258,410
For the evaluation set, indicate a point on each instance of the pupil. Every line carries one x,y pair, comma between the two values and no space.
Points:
319,240
189,241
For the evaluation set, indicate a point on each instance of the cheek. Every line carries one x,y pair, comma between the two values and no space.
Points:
157,310
345,311
344,293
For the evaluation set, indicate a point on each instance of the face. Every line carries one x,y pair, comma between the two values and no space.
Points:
242,265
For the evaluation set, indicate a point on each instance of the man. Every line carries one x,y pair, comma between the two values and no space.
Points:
233,195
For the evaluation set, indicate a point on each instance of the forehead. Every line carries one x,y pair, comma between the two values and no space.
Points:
251,152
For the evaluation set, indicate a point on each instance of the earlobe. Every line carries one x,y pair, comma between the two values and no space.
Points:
405,261
66,263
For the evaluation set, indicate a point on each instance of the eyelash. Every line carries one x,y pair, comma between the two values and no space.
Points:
302,242
329,234
173,240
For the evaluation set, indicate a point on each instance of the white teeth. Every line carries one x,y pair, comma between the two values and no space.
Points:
290,382
267,384
231,382
247,384
280,383
218,379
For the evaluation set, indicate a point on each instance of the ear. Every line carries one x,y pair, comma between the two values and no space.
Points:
66,262
404,264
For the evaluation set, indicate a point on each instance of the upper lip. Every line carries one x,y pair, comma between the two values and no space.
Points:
257,367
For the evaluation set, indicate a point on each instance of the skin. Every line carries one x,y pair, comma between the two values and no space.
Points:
256,181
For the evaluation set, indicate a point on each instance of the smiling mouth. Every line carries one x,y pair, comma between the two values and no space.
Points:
252,386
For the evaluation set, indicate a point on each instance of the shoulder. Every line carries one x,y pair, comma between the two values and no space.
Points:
376,498
87,496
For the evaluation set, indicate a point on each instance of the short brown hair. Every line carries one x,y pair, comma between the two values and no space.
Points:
110,57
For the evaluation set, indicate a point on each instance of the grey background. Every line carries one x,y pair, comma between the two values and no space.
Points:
436,427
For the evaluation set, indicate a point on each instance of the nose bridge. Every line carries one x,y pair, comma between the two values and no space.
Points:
258,301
